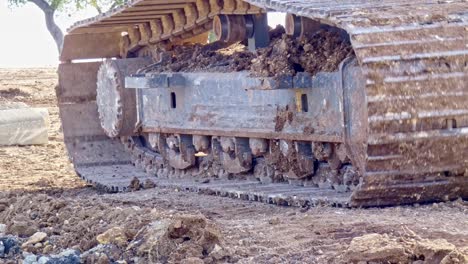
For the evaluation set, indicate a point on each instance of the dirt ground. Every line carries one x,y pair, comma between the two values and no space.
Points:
52,215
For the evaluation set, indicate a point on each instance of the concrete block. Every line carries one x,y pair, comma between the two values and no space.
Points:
23,126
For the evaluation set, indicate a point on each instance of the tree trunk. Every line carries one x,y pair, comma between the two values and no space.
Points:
54,30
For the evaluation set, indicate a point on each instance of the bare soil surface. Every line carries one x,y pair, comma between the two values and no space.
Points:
48,214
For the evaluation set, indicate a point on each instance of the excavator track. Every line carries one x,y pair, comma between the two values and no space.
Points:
406,132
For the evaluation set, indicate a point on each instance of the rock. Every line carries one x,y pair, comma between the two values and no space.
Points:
150,238
2,249
2,229
34,239
23,126
173,241
43,260
218,253
103,259
10,246
68,256
115,235
21,229
30,259
134,184
439,251
47,249
94,254
192,260
149,184
376,248
274,221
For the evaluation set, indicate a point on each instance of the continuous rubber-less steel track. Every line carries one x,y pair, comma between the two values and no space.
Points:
414,58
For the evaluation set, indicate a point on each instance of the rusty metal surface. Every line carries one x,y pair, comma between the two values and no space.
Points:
117,105
414,145
230,103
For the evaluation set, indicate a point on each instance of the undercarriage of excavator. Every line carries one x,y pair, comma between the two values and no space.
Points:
385,124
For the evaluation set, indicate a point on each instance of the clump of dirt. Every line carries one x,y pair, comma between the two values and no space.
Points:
211,57
173,240
324,51
378,248
283,116
284,55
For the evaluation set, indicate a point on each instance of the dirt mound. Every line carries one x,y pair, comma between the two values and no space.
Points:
377,248
284,55
287,56
214,57
186,236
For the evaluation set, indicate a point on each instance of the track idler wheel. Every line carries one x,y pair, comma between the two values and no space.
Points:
117,105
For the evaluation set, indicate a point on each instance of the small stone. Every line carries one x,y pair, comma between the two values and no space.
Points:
21,229
47,249
2,229
178,224
103,259
2,249
43,260
307,47
10,246
207,180
36,238
218,252
274,221
33,215
115,235
376,248
149,184
192,260
68,256
30,259
134,184
75,247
